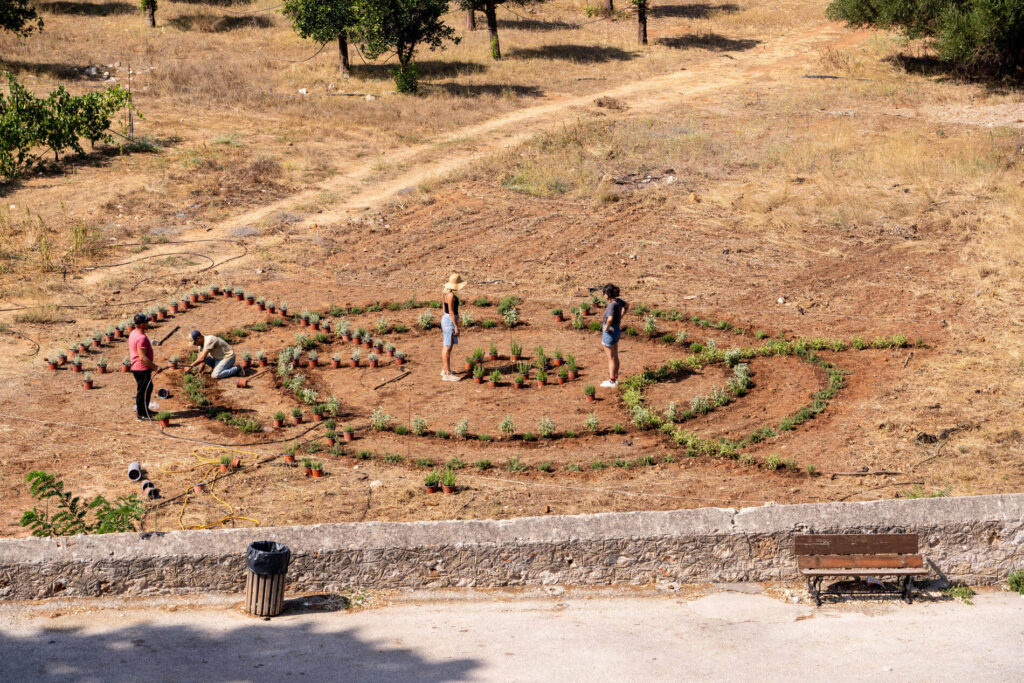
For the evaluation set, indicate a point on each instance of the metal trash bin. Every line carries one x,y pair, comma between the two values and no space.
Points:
266,568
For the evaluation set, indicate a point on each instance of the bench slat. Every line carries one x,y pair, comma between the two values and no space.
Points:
887,561
855,544
864,572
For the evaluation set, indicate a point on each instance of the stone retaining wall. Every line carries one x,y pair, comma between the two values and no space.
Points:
978,540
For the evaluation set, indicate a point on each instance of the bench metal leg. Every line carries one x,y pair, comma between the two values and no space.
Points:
908,587
814,588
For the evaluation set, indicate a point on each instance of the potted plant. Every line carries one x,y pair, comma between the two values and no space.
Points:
52,362
261,304
518,381
570,362
494,379
250,298
101,365
559,317
378,345
349,432
173,306
389,349
83,347
562,374
198,488
478,374
228,292
246,360
374,359
342,330
126,364
318,412
477,356
109,334
585,308
289,454
173,362
76,365
87,381
215,289
400,357
542,377
284,309
314,321
540,358
236,462
317,469
559,359
336,361
517,350
278,419
590,391
119,331
448,481
330,436
193,296
353,360
430,481
62,357
367,341
297,415
271,306
469,362
492,352
312,359
307,464
225,464
262,358
183,303
97,340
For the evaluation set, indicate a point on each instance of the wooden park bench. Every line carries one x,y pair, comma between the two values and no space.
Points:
858,555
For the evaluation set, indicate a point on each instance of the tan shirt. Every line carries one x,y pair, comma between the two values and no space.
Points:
217,347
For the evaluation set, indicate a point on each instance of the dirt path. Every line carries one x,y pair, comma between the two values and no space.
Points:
365,187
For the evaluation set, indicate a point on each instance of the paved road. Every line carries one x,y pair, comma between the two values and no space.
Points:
719,636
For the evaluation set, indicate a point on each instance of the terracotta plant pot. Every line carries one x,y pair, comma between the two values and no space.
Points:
289,457
541,382
271,309
309,471
559,318
87,384
109,338
100,369
82,349
557,362
316,326
318,417
250,301
399,361
491,357
193,298
317,474
335,364
590,399
447,489
263,362
119,333
62,358
431,489
353,363
239,297
348,436
561,380
585,311
297,420
374,363
329,441
514,359
227,294
76,368
278,424
310,363
493,384
96,343
246,363
52,366
125,368
262,307
174,308
303,322
478,380
517,385
242,383
346,337
573,374
391,353
165,423
198,488
183,305
469,366
223,468
236,463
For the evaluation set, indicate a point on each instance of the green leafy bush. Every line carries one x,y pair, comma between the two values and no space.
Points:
71,514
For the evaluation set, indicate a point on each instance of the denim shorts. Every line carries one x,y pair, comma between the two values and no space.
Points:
448,328
610,337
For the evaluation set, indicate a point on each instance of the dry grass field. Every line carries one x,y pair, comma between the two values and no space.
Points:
754,164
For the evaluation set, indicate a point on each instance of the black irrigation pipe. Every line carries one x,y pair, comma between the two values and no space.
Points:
25,336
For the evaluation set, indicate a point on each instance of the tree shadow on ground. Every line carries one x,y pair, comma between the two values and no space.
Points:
58,70
697,10
213,23
931,65
427,69
234,650
88,9
461,90
534,25
573,53
709,41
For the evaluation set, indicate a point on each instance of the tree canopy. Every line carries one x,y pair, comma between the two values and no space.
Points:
324,21
402,26
19,16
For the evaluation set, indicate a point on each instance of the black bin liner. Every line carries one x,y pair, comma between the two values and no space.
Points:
267,557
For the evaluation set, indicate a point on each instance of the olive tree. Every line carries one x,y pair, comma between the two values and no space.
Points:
324,21
19,16
400,26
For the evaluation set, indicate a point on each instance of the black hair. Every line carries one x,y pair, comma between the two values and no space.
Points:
611,291
140,319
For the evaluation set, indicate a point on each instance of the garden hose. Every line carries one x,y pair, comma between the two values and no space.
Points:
212,464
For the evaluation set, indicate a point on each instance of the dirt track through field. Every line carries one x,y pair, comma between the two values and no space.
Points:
364,188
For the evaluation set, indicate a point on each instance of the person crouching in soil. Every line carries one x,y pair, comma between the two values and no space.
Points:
611,331
450,325
140,353
216,353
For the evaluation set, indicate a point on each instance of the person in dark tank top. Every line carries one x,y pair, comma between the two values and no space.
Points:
611,331
450,325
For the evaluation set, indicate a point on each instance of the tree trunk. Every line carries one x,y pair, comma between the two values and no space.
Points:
151,14
641,22
492,29
609,7
343,55
470,20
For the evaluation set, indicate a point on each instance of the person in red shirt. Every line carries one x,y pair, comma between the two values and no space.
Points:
140,351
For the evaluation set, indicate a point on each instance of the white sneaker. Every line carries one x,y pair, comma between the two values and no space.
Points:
452,378
609,384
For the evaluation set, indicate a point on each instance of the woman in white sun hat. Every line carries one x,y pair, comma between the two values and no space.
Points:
450,325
